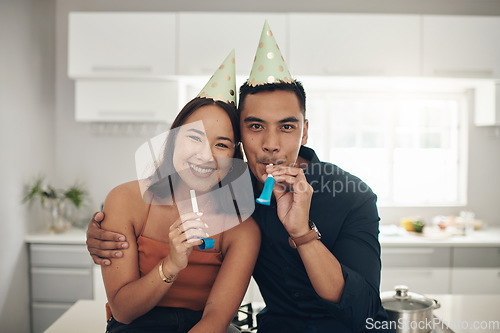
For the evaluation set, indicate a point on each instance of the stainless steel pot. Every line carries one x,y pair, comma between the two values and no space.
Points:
409,312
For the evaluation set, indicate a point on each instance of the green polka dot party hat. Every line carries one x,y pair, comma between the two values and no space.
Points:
268,65
222,85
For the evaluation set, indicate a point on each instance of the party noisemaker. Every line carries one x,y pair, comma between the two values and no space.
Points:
208,243
267,191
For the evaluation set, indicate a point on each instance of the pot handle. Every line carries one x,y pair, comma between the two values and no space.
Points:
401,292
436,304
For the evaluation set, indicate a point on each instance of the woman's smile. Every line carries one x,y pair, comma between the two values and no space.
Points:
200,171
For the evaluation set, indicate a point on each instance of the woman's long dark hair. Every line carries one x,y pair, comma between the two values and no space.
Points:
164,185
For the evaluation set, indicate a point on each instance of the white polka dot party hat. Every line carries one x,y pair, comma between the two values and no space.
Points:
268,65
222,85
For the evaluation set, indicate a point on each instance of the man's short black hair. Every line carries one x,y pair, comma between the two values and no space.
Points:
295,87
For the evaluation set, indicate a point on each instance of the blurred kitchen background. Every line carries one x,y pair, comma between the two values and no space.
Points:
404,94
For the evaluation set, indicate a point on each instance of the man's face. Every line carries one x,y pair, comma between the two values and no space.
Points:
272,128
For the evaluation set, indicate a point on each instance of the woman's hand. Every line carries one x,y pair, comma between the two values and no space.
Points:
185,233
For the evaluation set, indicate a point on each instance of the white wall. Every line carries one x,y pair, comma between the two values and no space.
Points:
26,139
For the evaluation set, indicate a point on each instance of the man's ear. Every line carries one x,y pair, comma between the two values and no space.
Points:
305,133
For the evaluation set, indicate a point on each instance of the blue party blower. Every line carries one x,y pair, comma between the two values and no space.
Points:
265,196
208,243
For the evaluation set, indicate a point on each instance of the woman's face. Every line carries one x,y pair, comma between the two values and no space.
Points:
204,148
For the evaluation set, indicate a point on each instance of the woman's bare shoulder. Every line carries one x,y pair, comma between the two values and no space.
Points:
129,191
126,199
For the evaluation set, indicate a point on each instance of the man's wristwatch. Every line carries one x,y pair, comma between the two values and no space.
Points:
310,236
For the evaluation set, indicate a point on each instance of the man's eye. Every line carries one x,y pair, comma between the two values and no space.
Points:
288,127
195,138
256,126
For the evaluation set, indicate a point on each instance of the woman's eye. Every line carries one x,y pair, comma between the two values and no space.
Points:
195,138
222,145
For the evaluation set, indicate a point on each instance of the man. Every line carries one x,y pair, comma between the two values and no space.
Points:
310,282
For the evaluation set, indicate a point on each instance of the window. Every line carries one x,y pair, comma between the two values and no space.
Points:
409,147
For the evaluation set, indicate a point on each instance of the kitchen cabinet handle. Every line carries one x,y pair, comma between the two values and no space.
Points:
408,251
121,69
58,248
61,271
206,70
358,72
422,273
464,72
128,113
41,305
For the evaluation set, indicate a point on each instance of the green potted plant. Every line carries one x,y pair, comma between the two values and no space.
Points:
55,200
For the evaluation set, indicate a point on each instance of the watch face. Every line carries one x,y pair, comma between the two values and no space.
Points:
313,227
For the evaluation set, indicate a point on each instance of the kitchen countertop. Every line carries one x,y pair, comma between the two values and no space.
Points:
487,237
484,238
469,313
73,236
84,316
460,312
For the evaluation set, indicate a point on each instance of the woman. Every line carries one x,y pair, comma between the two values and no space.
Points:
164,282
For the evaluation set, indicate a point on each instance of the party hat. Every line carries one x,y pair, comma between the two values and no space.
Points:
222,85
268,65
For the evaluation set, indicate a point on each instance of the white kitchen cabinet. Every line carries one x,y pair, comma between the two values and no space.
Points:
422,269
487,104
476,270
44,314
421,280
442,270
126,100
461,46
60,275
354,44
205,39
110,44
475,281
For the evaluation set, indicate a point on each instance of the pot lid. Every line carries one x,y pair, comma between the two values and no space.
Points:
401,300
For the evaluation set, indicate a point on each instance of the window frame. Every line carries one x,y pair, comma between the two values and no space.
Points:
315,88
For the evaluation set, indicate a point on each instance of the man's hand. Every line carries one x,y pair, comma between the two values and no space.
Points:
103,245
293,197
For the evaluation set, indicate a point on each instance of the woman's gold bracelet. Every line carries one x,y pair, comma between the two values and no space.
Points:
167,279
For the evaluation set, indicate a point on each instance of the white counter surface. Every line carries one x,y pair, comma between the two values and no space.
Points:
487,237
73,236
469,313
84,316
460,312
